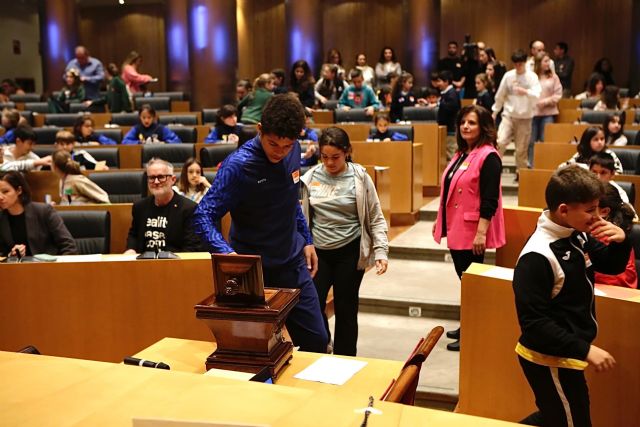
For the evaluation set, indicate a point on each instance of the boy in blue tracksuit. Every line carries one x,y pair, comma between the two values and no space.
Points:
553,284
259,185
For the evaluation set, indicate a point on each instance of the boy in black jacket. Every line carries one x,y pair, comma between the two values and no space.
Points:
554,292
447,108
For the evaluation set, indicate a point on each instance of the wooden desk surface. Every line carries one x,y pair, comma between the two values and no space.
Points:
56,391
189,356
489,370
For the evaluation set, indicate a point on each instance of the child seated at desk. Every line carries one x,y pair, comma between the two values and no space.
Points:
614,130
227,128
310,136
149,131
614,210
192,184
10,120
84,134
603,165
382,132
66,141
75,188
592,142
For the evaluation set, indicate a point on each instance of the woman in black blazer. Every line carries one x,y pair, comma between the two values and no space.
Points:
26,227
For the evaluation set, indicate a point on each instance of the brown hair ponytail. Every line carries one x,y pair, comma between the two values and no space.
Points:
63,161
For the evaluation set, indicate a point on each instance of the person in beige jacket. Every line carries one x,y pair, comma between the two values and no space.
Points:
75,188
349,232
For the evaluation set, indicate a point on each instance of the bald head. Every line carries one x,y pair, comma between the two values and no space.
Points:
537,47
82,55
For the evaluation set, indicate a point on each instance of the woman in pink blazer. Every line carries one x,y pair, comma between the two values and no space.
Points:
470,213
132,78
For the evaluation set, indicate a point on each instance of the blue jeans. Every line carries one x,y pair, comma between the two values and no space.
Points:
537,133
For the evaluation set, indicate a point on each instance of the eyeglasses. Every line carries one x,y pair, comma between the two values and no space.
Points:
161,178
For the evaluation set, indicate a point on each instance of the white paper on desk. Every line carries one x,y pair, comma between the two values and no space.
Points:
331,370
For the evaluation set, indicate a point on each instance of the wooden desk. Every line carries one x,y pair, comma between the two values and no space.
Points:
549,155
491,381
519,224
405,161
434,152
568,104
563,132
102,310
381,176
323,116
569,116
534,181
189,356
57,391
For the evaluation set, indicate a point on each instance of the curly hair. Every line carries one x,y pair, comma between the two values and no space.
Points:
283,116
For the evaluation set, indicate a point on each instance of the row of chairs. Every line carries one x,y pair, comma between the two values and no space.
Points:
598,117
412,114
176,154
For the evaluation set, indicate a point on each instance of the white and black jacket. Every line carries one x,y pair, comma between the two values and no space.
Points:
553,284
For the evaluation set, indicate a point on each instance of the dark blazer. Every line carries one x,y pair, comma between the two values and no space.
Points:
180,235
46,233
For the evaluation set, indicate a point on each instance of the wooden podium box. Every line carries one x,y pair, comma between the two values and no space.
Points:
250,338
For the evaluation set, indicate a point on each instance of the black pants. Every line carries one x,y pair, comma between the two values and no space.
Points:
462,259
338,268
304,322
562,396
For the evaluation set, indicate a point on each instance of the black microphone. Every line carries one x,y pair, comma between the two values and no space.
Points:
146,363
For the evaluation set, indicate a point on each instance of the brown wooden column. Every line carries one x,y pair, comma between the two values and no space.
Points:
177,42
304,32
59,37
423,34
213,52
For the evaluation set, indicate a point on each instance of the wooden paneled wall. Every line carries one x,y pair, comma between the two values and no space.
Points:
261,37
592,28
353,27
111,32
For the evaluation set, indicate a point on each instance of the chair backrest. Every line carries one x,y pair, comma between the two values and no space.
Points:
595,117
159,103
213,154
633,136
37,107
637,119
589,103
27,115
420,114
62,120
115,134
403,129
630,159
125,119
630,189
210,175
403,389
90,229
209,116
331,104
352,115
173,96
27,97
78,107
46,135
43,150
106,154
247,132
8,104
181,119
122,186
176,154
187,134
624,92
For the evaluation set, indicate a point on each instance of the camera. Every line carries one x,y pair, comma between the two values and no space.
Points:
469,50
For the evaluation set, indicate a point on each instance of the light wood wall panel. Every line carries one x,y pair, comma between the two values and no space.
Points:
261,37
363,26
592,28
111,32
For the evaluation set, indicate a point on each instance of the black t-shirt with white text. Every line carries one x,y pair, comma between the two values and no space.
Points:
155,228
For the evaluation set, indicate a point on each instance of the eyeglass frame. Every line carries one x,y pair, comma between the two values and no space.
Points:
161,178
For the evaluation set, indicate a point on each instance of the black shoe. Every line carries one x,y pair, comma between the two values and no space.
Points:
454,346
454,335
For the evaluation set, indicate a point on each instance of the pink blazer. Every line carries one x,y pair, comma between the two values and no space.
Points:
463,204
133,79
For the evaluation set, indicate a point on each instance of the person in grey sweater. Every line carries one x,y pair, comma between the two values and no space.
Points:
349,232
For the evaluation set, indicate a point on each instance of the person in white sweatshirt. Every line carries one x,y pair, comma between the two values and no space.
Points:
517,96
